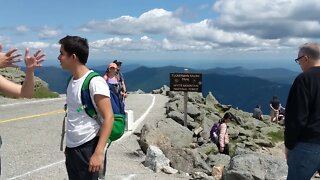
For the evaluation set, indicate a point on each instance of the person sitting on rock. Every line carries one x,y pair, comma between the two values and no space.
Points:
257,113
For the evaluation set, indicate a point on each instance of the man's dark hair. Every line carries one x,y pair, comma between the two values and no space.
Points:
76,45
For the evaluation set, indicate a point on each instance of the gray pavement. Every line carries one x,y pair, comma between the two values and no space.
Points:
124,156
31,134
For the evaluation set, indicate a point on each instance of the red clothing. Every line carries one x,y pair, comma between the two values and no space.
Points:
223,136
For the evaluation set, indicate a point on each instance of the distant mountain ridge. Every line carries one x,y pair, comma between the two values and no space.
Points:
243,92
124,69
279,75
237,86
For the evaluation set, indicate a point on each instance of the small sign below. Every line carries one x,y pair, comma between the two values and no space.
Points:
191,82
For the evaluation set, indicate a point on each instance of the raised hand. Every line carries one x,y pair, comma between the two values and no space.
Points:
35,60
9,58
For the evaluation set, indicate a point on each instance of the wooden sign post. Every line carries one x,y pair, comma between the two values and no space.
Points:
186,82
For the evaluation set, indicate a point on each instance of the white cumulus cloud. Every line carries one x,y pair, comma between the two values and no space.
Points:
33,45
124,44
155,21
238,25
270,19
47,32
22,29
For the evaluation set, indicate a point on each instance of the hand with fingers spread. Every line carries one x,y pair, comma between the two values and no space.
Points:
9,58
35,60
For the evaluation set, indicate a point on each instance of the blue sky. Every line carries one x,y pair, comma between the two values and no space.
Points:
191,33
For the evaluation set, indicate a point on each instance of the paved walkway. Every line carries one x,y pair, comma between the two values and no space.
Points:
125,157
31,133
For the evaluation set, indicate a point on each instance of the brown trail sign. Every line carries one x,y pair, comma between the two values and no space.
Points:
186,82
191,82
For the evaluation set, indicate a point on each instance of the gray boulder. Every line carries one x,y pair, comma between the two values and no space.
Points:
187,160
165,133
155,159
247,165
18,76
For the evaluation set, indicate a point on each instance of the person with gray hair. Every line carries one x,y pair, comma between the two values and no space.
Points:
302,124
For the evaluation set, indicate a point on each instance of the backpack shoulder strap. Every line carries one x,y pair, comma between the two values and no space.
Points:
107,77
68,81
86,98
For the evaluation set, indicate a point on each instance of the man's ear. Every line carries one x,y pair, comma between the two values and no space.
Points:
74,56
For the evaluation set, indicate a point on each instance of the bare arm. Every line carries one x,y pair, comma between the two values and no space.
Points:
104,106
124,86
286,153
16,90
32,62
272,107
123,93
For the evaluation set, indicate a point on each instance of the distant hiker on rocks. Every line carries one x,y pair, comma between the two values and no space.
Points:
86,139
257,113
223,144
302,123
275,107
9,88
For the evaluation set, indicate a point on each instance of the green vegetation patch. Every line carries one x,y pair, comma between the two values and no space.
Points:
277,136
43,92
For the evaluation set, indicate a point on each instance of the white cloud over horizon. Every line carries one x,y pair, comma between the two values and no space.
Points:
22,29
237,26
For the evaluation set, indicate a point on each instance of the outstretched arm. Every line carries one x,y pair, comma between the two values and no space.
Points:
32,62
27,88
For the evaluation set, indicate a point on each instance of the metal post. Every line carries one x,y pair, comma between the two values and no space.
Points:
185,104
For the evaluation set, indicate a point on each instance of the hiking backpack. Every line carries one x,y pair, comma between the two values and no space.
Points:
214,132
117,107
116,103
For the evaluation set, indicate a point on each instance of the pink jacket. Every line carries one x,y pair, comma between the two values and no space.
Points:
223,136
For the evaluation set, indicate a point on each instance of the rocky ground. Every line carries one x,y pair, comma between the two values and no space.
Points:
255,145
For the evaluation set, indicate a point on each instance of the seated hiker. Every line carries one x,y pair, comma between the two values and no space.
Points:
257,113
